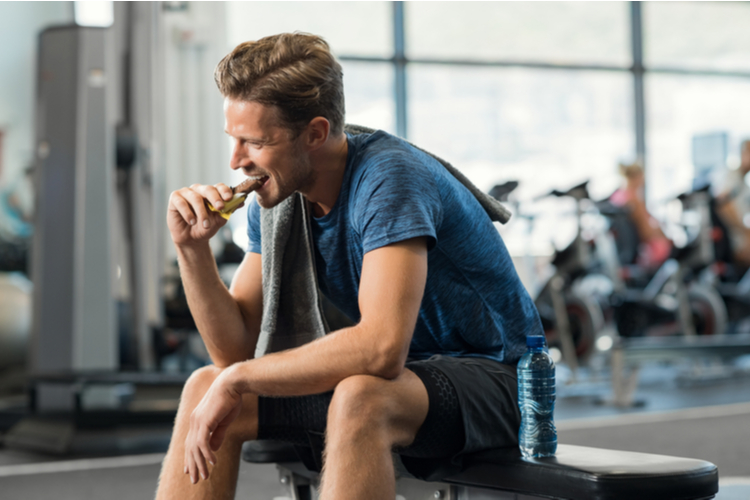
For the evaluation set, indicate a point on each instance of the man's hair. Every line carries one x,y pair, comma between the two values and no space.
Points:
295,72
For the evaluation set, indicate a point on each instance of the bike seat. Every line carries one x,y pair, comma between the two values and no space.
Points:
501,191
578,192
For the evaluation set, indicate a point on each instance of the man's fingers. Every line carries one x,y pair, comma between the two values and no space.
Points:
191,467
217,437
215,195
204,435
200,463
225,191
183,208
198,204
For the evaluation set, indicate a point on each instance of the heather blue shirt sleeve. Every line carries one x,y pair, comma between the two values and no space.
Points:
397,199
253,226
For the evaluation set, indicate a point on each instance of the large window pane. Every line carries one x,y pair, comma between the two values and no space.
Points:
351,28
709,35
560,32
545,128
369,95
681,107
20,25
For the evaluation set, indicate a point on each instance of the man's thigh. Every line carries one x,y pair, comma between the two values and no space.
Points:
452,406
399,405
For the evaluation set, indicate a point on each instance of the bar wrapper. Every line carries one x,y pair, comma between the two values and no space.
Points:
229,206
241,192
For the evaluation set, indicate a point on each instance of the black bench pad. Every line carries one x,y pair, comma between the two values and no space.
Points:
576,473
579,472
267,452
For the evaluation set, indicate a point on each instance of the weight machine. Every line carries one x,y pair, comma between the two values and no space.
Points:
97,257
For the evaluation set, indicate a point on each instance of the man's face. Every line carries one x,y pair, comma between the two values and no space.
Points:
263,148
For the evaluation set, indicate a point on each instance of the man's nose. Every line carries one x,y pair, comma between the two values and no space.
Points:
238,159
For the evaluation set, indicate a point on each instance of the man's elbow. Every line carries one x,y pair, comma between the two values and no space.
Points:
227,359
388,362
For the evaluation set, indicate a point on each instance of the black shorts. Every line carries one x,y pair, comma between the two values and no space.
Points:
473,407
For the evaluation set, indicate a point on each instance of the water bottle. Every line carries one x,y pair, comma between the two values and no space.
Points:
537,436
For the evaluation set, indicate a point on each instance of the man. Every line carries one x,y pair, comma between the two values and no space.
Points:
733,206
401,247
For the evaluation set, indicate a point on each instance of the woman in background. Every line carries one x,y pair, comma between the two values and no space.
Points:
654,247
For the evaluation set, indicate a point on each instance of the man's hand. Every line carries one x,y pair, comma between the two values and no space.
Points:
188,218
208,425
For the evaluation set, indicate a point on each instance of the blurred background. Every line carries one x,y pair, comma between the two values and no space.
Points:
614,131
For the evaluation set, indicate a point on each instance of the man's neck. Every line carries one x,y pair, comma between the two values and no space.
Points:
329,163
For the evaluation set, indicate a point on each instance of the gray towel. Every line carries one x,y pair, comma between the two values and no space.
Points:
292,303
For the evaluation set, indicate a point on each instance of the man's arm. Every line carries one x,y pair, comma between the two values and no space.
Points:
727,209
390,294
228,320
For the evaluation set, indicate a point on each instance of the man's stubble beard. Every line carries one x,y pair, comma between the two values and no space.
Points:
303,177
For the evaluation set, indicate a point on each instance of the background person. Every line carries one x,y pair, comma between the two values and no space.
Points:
654,247
733,206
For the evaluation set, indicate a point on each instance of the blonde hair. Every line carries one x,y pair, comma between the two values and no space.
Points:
295,72
631,170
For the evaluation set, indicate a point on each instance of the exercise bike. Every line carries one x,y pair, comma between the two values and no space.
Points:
669,300
571,319
731,281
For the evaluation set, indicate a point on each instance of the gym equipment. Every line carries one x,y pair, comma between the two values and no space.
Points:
730,281
15,314
96,260
628,354
74,321
666,301
77,412
575,473
571,319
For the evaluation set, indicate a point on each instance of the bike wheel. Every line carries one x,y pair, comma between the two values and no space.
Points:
586,320
708,310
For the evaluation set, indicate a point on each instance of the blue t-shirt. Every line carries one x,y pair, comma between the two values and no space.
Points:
474,303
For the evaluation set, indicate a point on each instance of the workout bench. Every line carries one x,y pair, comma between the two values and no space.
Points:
575,473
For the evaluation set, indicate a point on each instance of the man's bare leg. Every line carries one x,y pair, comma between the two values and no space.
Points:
222,481
367,417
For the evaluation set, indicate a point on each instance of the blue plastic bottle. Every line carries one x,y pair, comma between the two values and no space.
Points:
537,436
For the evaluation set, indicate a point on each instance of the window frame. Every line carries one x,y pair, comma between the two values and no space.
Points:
400,62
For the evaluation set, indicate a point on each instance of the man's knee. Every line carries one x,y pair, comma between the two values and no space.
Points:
360,401
199,382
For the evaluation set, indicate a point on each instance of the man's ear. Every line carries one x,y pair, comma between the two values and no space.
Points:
316,133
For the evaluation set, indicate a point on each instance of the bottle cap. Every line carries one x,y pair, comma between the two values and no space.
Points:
535,341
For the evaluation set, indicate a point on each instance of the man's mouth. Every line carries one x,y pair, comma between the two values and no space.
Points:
251,183
262,178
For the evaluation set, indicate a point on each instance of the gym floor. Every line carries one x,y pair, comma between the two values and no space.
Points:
690,410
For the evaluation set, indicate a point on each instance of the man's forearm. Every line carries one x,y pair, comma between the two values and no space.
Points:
216,313
320,365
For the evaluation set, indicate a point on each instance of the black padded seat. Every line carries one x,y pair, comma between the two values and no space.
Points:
575,473
579,472
266,452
